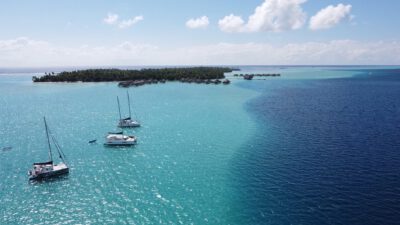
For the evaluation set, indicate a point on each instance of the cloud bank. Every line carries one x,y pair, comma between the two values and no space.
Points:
201,22
271,15
330,16
25,52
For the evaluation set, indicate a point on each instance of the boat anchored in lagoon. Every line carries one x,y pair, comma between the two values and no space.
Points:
127,122
119,139
42,170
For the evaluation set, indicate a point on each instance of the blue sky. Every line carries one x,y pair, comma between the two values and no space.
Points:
68,33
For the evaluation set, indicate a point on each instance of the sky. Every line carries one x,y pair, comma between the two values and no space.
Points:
48,33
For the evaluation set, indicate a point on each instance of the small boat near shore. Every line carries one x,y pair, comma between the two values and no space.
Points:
226,81
248,76
119,139
42,170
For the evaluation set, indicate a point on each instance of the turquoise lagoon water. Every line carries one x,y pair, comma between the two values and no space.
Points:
177,173
318,145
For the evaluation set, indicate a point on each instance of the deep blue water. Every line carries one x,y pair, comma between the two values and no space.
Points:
325,152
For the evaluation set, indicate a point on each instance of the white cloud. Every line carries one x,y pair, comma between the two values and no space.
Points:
128,23
201,22
277,15
330,16
271,15
231,23
25,52
111,18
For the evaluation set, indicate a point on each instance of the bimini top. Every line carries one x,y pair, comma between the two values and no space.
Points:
127,118
44,163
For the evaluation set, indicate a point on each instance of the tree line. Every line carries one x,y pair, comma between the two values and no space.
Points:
104,75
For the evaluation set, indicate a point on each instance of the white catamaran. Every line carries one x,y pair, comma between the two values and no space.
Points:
127,122
119,139
48,169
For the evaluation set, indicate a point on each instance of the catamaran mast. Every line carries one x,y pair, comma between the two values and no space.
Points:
119,109
48,139
129,104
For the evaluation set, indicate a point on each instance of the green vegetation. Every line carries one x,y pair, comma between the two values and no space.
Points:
103,75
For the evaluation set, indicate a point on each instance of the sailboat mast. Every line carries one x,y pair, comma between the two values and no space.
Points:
129,104
119,109
48,139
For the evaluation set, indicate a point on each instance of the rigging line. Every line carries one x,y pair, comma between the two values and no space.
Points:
60,151
57,146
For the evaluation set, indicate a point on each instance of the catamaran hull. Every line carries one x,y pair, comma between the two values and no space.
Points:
51,174
118,139
129,125
120,144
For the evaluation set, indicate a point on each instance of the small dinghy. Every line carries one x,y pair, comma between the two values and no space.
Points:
92,141
6,149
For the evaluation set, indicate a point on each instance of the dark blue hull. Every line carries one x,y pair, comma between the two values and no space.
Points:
50,174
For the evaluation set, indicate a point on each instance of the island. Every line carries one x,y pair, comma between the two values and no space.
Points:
137,77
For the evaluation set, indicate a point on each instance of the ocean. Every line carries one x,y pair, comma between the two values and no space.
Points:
318,145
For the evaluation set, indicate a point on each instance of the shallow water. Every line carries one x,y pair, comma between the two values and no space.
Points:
177,173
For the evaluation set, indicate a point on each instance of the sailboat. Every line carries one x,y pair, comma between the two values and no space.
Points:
127,122
48,169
